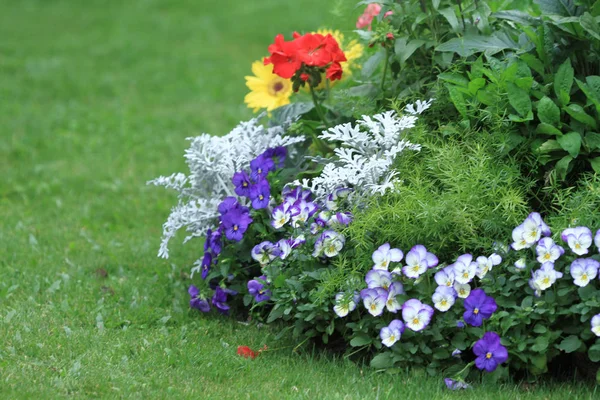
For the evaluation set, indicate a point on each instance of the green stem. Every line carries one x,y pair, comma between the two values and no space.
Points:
462,16
385,68
318,106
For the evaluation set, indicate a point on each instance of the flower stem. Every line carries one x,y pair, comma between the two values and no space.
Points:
318,106
385,68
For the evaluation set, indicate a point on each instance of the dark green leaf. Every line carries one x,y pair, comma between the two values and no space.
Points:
548,112
456,79
592,140
570,344
571,142
372,63
562,167
519,99
469,45
595,163
360,340
563,81
558,7
547,129
383,361
590,25
450,16
578,113
594,353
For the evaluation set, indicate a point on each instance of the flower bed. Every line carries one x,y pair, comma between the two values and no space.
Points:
304,211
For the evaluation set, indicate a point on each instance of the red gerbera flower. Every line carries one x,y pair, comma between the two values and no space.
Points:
283,57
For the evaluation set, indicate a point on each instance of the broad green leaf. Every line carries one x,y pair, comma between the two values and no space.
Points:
540,345
549,146
589,92
592,140
456,79
590,25
539,361
470,44
450,16
540,329
458,100
291,111
570,344
404,50
361,340
595,163
578,113
571,142
557,7
435,4
562,167
519,99
547,129
517,118
383,361
516,16
372,63
594,353
475,85
548,112
563,80
488,98
534,63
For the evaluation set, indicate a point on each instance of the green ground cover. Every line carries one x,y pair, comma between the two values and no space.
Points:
96,98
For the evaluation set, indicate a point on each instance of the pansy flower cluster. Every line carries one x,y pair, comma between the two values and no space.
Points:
534,232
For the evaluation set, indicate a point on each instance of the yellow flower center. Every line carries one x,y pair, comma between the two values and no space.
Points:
546,280
415,321
373,307
584,277
393,338
331,249
577,246
488,355
449,283
465,275
245,184
547,256
235,228
261,197
476,311
444,302
259,170
416,268
282,220
384,264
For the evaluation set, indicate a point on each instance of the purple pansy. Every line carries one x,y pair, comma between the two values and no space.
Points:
265,252
445,277
416,315
378,278
340,219
464,269
242,183
579,239
385,255
213,241
374,300
260,167
236,222
260,194
478,306
219,299
548,251
196,302
597,239
418,260
443,298
330,243
392,303
256,287
391,334
301,211
583,270
206,263
228,204
277,155
490,353
456,385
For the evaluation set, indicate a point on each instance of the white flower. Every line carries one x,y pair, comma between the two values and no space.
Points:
392,303
391,333
596,324
443,298
583,270
464,269
545,277
462,290
344,304
485,264
521,263
384,255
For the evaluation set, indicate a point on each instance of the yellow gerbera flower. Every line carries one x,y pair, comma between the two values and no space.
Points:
353,51
267,90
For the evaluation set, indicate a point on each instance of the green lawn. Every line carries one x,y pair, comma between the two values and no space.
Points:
96,98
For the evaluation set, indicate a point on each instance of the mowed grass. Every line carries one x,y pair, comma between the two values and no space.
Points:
96,98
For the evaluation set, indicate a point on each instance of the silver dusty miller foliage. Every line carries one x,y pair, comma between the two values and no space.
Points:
212,161
366,154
